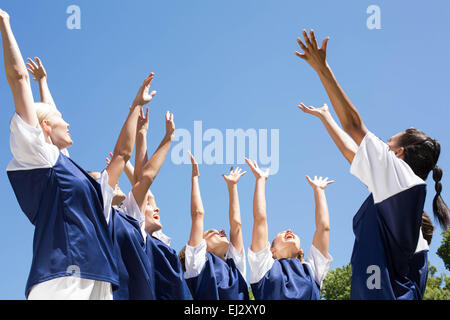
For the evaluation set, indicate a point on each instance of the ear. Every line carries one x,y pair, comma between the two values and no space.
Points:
273,250
400,152
45,125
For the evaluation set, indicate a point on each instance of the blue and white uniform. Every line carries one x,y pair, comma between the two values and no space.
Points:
73,254
169,283
211,278
287,279
136,270
389,259
169,280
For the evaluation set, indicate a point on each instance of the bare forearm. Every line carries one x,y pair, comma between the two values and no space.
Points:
235,218
129,171
46,96
141,154
17,76
321,214
197,214
348,115
15,67
343,141
127,136
152,167
259,200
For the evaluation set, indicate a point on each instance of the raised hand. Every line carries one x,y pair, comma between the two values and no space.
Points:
170,124
195,172
142,123
4,18
319,183
316,57
234,176
36,69
108,160
259,174
318,112
143,96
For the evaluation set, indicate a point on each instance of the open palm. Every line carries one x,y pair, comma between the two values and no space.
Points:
234,175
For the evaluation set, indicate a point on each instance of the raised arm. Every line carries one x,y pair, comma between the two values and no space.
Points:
343,141
234,210
197,210
17,74
316,57
260,234
125,143
40,75
154,164
129,169
141,156
321,237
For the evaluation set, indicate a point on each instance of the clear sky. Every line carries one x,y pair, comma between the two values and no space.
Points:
231,64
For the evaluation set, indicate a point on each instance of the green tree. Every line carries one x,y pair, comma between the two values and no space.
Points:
434,289
336,285
444,250
250,293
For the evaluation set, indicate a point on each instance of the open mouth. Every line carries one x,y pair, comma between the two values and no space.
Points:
156,216
289,235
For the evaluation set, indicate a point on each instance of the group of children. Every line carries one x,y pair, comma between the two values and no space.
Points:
84,222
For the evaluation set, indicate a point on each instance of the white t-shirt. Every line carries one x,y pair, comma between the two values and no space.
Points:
261,262
31,151
384,173
195,259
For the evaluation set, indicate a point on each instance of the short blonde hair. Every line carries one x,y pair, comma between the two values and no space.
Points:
43,110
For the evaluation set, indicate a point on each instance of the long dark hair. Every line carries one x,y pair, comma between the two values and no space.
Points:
421,153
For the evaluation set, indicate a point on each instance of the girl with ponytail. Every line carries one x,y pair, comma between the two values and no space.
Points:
389,259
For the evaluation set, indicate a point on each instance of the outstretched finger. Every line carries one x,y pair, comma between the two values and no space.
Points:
305,36
39,62
330,182
324,44
250,164
298,54
313,38
32,63
300,43
241,174
309,179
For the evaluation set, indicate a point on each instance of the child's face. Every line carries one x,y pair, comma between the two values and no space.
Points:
216,240
152,219
286,245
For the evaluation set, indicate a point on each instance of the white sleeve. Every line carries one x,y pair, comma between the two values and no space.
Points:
195,259
239,259
318,263
381,170
260,263
130,208
108,194
29,148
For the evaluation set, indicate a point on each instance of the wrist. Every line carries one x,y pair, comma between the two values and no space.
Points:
232,185
323,70
318,190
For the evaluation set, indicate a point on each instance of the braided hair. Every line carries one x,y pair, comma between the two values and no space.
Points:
421,153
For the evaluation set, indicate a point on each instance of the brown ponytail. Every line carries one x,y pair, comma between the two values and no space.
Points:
421,153
440,208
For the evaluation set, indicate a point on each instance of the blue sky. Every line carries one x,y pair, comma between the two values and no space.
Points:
230,64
